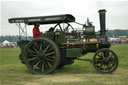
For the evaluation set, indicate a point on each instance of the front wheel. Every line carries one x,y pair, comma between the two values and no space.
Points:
105,61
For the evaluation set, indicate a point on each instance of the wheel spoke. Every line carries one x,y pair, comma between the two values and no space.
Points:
99,66
33,62
113,63
106,53
50,59
43,67
40,46
108,67
102,54
46,48
35,58
31,51
103,67
109,56
33,55
36,50
37,63
50,53
49,64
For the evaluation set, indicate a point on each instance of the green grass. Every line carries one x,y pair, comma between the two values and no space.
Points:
12,72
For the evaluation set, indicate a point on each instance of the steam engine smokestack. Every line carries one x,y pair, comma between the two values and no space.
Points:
102,21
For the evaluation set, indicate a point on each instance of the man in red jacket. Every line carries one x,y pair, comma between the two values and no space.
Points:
36,31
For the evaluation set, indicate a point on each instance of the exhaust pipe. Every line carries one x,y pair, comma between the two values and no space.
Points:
102,22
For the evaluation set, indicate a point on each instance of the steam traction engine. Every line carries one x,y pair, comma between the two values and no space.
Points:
61,44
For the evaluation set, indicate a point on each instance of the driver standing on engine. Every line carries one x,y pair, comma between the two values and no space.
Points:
36,31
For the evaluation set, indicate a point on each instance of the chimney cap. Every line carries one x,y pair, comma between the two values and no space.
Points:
102,11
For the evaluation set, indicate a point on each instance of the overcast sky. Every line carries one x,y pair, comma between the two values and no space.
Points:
116,16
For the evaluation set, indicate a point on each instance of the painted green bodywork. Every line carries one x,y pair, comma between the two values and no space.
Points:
92,48
59,39
49,35
73,52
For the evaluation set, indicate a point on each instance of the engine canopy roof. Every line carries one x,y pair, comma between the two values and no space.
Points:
65,18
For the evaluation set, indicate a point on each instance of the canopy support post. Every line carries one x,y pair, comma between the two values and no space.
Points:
22,31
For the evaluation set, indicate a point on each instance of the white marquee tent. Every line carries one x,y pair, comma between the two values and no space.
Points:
5,42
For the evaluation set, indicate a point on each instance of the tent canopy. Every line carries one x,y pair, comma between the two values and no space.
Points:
5,42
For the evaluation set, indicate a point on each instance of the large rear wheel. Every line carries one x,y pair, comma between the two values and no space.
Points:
42,56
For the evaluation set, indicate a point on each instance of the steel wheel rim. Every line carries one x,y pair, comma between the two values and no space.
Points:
105,61
41,57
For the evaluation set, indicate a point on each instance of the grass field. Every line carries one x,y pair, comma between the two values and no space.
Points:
12,72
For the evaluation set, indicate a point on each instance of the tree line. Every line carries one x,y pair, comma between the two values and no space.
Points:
111,33
14,38
116,33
